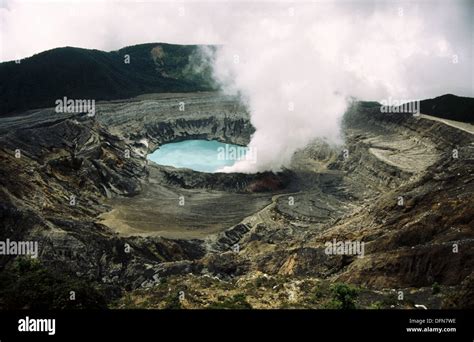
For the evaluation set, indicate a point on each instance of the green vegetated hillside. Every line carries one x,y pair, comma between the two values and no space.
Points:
450,107
92,74
446,106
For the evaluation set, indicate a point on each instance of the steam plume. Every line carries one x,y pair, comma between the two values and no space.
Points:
296,70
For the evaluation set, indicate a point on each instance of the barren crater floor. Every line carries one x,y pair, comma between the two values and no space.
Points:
157,210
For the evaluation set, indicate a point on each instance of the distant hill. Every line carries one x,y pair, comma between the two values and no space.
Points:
92,74
447,106
450,107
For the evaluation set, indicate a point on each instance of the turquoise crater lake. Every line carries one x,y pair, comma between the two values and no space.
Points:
198,155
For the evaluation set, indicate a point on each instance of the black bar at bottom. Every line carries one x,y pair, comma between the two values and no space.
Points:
367,325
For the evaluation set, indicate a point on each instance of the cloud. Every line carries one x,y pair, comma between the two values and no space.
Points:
297,67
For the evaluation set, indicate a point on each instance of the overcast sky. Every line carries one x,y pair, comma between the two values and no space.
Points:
29,27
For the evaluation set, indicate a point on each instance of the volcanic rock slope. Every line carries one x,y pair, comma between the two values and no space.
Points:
82,187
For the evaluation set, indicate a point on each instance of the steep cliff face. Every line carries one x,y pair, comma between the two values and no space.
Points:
163,118
414,230
55,186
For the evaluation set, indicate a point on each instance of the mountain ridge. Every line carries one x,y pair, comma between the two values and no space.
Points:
90,73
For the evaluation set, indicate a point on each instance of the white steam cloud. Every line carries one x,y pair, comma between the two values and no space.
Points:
296,68
294,64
